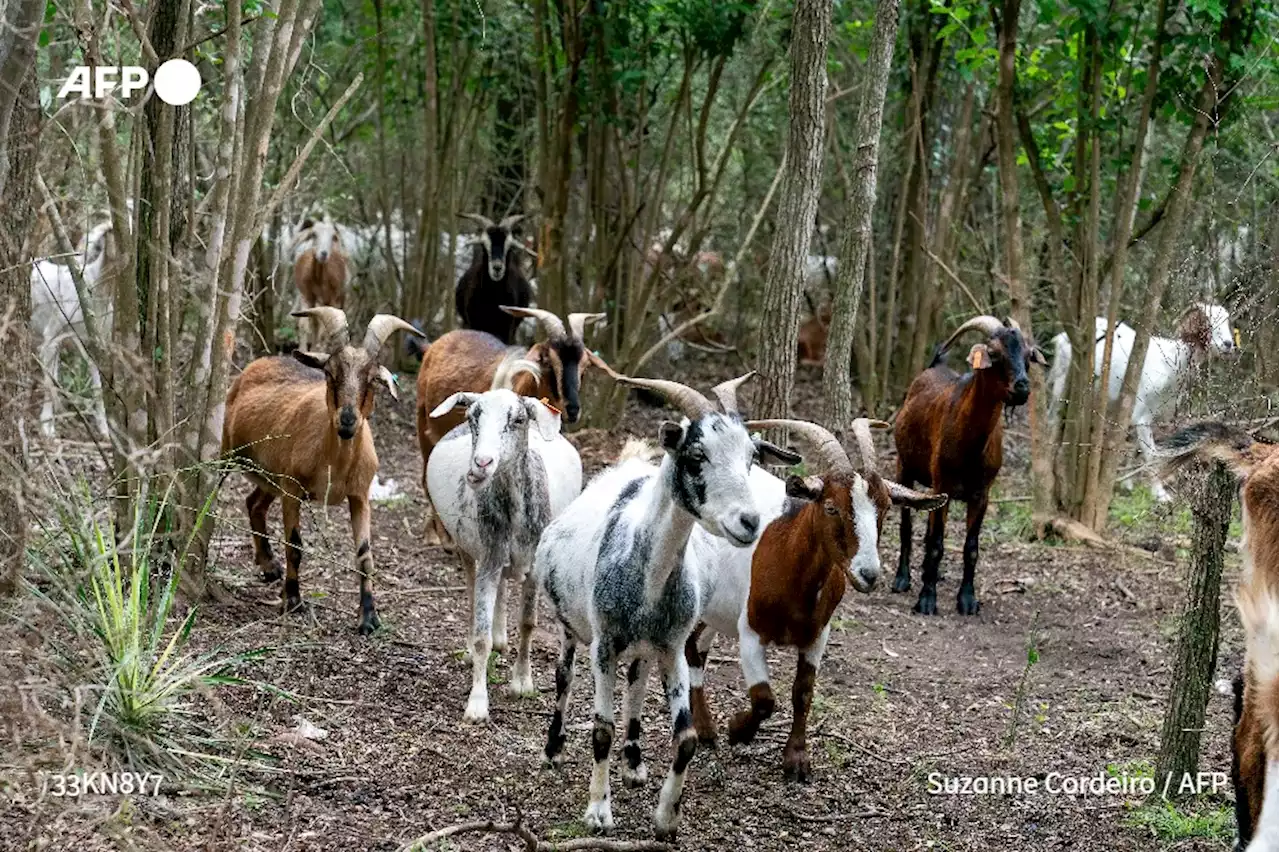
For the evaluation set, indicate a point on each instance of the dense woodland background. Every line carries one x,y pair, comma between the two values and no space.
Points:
1049,161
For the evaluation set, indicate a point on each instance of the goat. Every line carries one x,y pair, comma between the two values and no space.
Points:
822,533
57,316
1202,329
811,347
612,566
950,437
320,273
300,428
1255,763
493,279
496,484
466,360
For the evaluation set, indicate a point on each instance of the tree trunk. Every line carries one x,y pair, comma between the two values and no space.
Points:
855,243
19,121
1197,652
797,208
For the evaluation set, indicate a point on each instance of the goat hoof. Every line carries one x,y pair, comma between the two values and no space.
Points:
902,584
599,816
294,604
369,623
635,778
927,605
740,730
967,605
795,765
708,739
272,572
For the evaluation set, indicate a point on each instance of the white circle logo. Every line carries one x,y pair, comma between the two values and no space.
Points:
177,82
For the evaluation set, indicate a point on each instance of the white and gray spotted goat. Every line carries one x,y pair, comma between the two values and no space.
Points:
613,568
496,484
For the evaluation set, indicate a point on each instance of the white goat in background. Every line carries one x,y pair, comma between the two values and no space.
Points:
1203,329
495,484
58,317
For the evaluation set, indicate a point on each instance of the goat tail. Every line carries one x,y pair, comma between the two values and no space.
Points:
638,448
513,364
1208,440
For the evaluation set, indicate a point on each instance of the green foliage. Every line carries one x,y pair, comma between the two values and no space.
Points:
1173,824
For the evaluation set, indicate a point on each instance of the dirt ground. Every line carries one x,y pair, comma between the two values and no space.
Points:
899,696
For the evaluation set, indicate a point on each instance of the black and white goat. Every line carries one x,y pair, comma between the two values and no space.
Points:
494,278
496,484
613,568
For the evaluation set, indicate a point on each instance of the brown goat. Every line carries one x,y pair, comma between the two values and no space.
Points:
319,273
812,345
950,437
467,361
1255,751
299,426
826,536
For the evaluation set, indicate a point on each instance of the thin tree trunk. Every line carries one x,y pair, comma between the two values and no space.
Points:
855,244
1196,656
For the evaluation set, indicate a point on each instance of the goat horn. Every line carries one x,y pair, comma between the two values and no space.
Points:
482,221
380,328
511,221
861,429
691,403
985,323
333,324
550,323
578,323
1012,323
727,392
825,448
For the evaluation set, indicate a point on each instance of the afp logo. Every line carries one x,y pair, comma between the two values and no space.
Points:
177,82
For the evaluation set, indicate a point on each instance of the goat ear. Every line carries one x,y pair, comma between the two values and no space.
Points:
548,419
311,359
921,501
460,398
1038,357
807,488
979,356
670,435
307,223
388,378
783,456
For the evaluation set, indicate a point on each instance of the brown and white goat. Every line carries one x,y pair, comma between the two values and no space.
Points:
466,361
1255,753
823,536
299,427
950,437
320,273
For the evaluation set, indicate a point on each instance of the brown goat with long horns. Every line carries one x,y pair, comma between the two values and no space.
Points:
299,427
950,437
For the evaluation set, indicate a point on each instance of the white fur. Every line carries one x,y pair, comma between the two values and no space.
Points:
1167,359
481,456
1266,834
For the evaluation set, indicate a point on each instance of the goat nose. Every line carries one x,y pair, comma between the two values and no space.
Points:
483,461
572,412
750,522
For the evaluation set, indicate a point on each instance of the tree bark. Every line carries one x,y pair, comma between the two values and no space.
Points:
797,208
1197,652
19,119
855,243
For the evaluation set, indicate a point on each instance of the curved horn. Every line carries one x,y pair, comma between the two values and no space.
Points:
332,324
578,322
691,403
511,221
727,393
985,323
1010,322
482,221
550,323
861,429
380,328
825,449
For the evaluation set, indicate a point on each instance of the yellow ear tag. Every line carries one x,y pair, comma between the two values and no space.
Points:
551,407
975,359
1237,336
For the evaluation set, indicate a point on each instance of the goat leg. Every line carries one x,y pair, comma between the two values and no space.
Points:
488,584
257,504
902,580
554,750
635,773
359,507
292,510
795,756
927,604
695,653
499,631
755,670
522,679
675,679
599,814
966,602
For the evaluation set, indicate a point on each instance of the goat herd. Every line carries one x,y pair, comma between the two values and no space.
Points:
679,541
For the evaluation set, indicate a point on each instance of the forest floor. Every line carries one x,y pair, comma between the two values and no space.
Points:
899,696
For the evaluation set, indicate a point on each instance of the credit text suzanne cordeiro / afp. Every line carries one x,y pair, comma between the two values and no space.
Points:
1102,783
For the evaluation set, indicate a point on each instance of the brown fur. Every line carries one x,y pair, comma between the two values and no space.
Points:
320,284
1194,330
812,348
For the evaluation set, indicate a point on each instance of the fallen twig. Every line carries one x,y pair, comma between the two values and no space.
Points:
531,841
